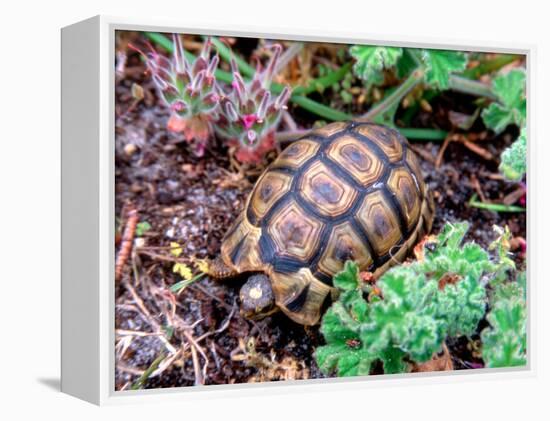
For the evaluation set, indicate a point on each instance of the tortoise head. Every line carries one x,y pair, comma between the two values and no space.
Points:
257,300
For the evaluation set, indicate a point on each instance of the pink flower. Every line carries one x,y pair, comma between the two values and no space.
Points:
249,120
178,106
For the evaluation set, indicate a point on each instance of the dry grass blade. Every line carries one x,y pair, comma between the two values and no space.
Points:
150,319
147,373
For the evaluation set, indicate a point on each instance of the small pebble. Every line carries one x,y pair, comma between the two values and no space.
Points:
130,149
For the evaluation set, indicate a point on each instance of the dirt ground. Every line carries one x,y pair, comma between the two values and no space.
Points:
194,200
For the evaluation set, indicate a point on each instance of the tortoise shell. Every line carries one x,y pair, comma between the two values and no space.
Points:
345,191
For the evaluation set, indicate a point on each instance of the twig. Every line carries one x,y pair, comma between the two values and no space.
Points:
478,150
127,241
167,362
205,291
154,324
424,154
442,150
194,348
289,121
212,348
123,332
131,370
514,196
224,325
290,135
288,55
169,259
477,187
198,376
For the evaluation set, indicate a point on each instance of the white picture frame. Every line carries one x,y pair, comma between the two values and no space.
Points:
88,214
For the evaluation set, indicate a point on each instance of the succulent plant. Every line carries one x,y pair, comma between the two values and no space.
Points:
189,89
249,113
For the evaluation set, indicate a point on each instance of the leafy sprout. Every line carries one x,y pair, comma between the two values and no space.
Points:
511,107
440,64
513,161
370,61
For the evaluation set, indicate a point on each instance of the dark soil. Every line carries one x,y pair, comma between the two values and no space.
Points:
193,201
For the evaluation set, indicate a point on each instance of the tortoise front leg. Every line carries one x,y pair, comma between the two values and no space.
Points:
219,270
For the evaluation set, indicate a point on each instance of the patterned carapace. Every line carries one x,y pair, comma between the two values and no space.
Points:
345,191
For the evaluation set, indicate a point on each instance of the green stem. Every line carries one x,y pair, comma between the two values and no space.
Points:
396,96
179,286
471,87
320,109
423,134
489,66
495,207
147,373
408,132
323,82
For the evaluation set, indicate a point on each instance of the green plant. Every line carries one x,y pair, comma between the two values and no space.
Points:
504,342
188,89
441,70
142,227
249,114
511,104
436,69
438,65
371,61
513,161
411,310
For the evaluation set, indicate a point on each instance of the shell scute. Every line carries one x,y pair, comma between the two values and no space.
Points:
360,161
387,139
327,193
295,232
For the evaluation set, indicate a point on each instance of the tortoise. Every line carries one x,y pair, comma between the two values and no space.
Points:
346,191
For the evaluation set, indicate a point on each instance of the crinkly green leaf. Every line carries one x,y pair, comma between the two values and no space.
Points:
440,64
372,60
511,107
404,318
327,356
346,359
354,363
449,257
505,340
513,161
461,305
407,62
418,307
510,88
452,234
348,278
355,304
338,326
393,360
